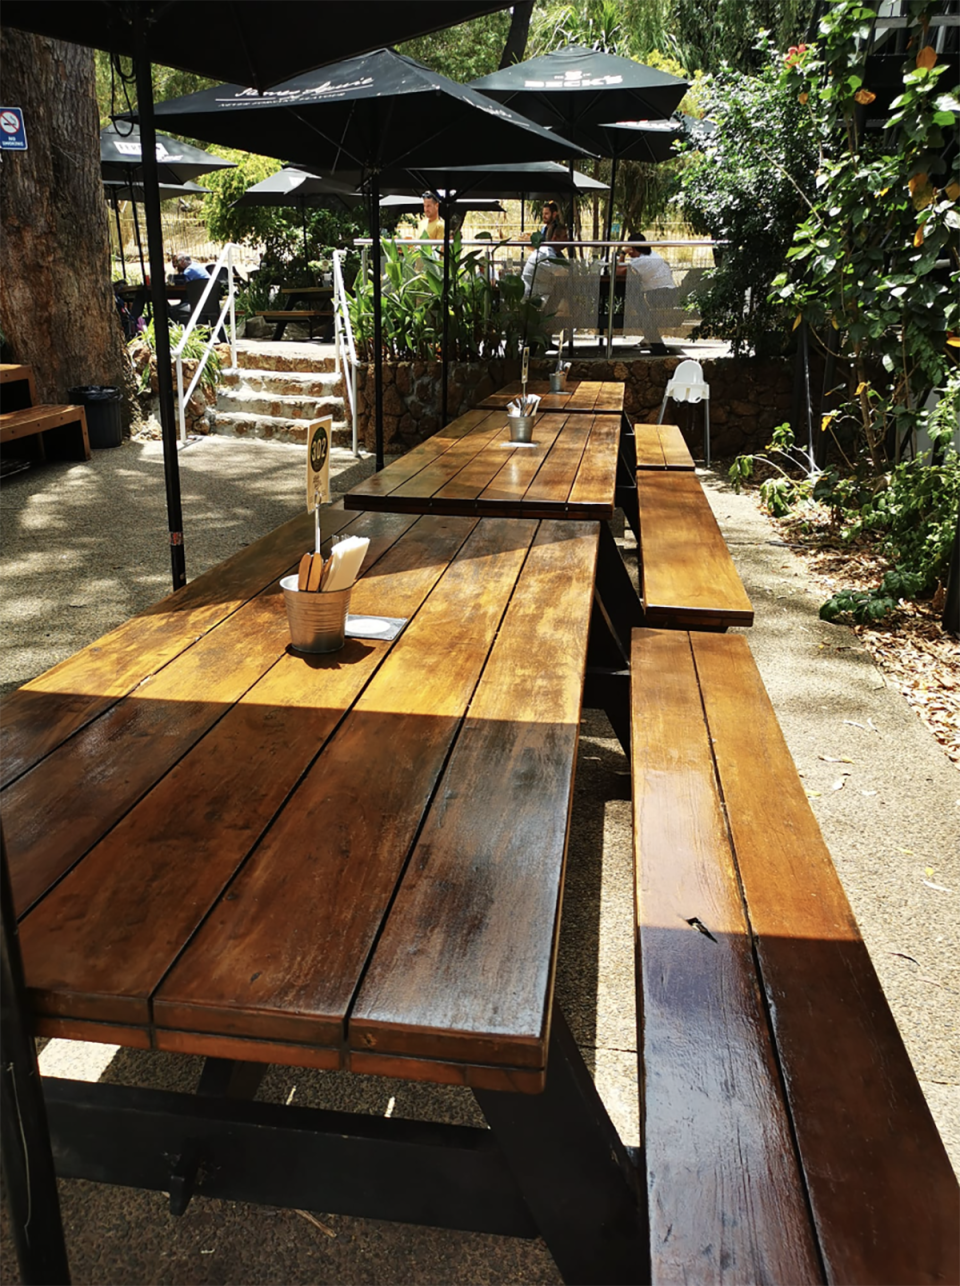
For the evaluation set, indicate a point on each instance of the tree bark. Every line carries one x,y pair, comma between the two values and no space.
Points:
56,301
516,45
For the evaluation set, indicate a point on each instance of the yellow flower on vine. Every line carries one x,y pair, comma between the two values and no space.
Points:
864,96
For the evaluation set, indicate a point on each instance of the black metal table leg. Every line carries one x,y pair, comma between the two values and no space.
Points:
585,1195
615,590
31,1184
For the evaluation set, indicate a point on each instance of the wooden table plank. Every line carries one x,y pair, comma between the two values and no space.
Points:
508,488
593,397
882,1190
688,575
365,493
717,1213
44,711
280,958
555,478
464,967
54,812
100,943
661,446
596,481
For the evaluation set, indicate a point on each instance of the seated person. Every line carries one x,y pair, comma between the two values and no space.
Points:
186,270
659,294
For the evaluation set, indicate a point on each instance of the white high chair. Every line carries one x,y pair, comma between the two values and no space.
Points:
688,385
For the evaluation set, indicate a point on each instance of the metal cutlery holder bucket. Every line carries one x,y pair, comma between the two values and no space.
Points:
521,428
558,381
317,621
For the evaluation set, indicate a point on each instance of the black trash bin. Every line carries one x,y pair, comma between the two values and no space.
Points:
102,406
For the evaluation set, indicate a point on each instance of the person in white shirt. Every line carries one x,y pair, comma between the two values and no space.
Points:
659,294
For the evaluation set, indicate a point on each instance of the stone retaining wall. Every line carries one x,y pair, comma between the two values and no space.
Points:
748,397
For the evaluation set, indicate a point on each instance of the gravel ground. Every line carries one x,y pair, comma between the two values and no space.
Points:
83,547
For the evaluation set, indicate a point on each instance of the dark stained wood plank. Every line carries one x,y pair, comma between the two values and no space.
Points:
100,943
726,1196
688,574
649,446
504,1080
55,812
883,1193
247,1049
512,482
365,493
596,481
676,453
610,397
661,446
550,489
44,712
280,956
464,967
457,457
548,401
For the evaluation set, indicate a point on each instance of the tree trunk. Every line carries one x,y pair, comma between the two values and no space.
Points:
56,302
516,45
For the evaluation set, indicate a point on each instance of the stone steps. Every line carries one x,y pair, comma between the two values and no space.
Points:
278,392
277,428
253,359
285,383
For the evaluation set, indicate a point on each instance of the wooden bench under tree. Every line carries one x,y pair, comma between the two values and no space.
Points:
60,427
688,579
787,1138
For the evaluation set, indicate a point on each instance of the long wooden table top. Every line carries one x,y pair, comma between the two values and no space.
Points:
591,397
688,576
471,467
661,446
222,847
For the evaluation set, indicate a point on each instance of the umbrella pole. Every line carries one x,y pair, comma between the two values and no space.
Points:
123,265
446,315
377,319
612,261
158,294
303,225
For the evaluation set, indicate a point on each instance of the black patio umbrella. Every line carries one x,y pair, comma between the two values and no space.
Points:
576,90
404,203
246,41
121,157
303,191
533,178
382,113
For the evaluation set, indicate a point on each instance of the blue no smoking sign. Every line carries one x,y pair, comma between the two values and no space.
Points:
13,134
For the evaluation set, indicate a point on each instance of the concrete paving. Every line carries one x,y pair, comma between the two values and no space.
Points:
84,546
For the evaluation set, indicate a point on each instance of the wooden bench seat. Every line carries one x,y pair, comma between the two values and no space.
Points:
787,1138
31,420
688,578
661,446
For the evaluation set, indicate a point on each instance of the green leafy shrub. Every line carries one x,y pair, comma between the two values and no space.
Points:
193,352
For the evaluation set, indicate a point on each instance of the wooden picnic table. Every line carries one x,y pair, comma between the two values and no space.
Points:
220,847
471,467
661,446
592,397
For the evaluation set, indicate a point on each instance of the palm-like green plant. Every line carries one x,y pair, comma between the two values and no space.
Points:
483,320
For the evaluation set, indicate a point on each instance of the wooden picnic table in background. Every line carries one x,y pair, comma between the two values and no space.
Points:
471,467
592,397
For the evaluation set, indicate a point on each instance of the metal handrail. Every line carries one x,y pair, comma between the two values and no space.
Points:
225,260
341,325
